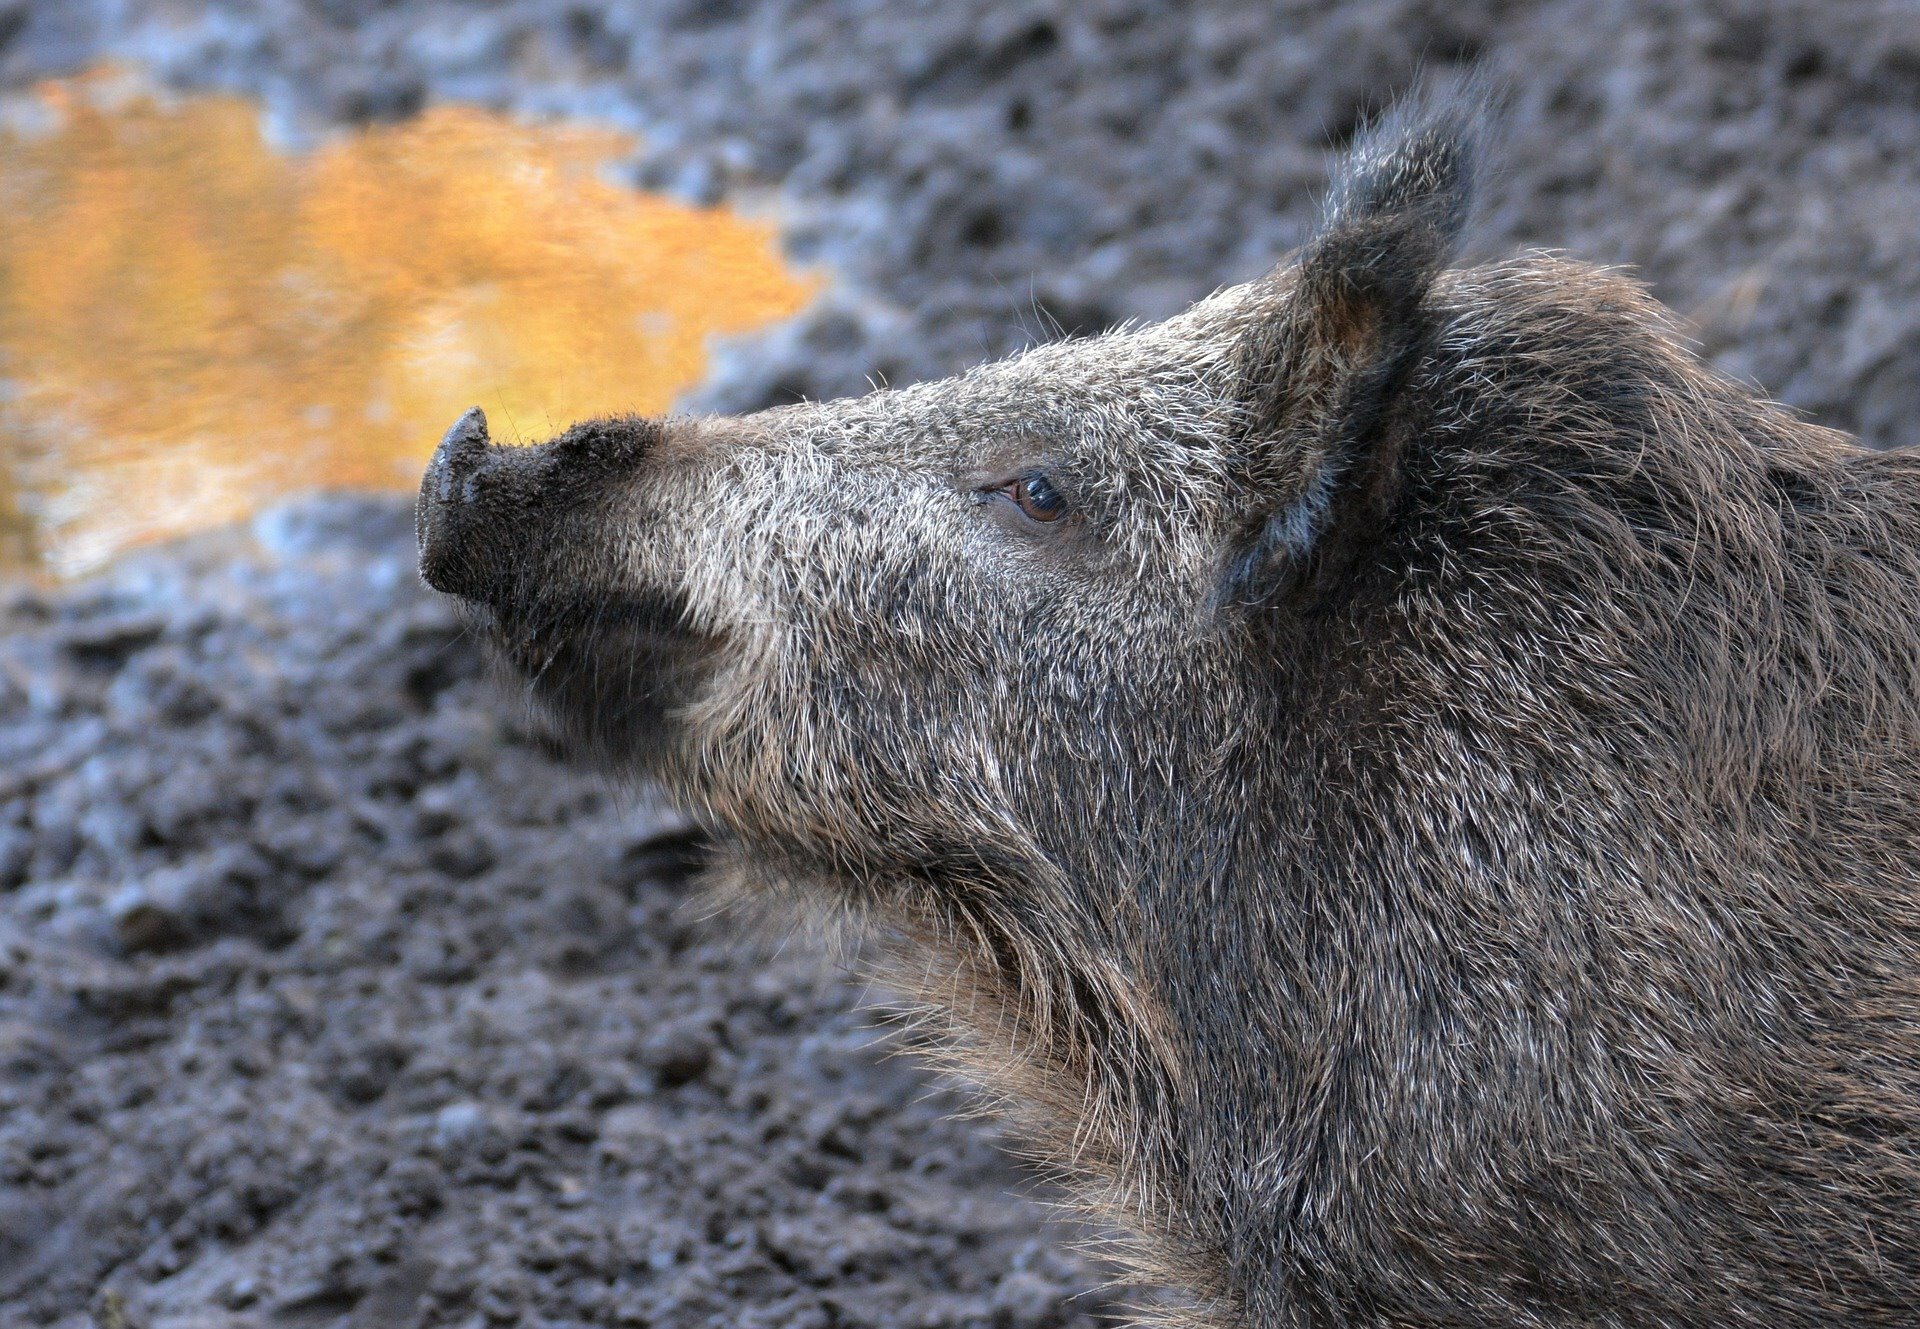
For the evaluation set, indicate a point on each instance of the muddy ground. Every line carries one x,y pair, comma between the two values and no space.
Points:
329,995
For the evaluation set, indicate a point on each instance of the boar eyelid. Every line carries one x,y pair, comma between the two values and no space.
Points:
1032,493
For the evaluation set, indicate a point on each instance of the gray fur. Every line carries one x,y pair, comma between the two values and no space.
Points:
1429,840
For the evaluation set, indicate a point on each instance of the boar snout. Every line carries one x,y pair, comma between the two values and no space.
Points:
484,510
441,519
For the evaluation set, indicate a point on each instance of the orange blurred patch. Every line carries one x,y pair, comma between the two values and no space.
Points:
192,324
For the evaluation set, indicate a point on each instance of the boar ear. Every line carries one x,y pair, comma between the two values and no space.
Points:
1325,369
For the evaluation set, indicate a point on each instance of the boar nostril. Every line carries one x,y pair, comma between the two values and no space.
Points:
462,449
437,521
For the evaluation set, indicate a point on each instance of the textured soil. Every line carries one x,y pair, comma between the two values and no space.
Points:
329,995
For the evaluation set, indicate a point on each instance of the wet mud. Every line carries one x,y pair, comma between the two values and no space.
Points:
329,995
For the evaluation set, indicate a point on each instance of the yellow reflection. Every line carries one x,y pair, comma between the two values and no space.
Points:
192,323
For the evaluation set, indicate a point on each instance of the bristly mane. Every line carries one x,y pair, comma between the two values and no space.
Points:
1429,837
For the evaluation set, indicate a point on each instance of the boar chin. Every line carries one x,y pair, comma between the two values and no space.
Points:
612,674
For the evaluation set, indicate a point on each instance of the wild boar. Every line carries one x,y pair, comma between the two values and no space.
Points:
1406,782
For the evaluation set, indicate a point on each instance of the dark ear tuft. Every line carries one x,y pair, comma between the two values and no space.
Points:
1417,162
1324,374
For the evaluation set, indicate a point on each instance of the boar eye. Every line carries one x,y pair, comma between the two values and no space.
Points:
1036,496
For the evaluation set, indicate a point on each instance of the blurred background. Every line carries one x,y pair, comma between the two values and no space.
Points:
258,247
328,996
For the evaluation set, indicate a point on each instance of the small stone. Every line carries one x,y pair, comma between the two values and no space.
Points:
458,1125
146,920
462,854
241,1293
172,906
678,1055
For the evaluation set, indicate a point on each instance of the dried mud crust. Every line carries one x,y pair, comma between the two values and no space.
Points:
980,173
329,997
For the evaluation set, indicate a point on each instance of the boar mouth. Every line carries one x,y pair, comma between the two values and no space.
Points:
612,672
